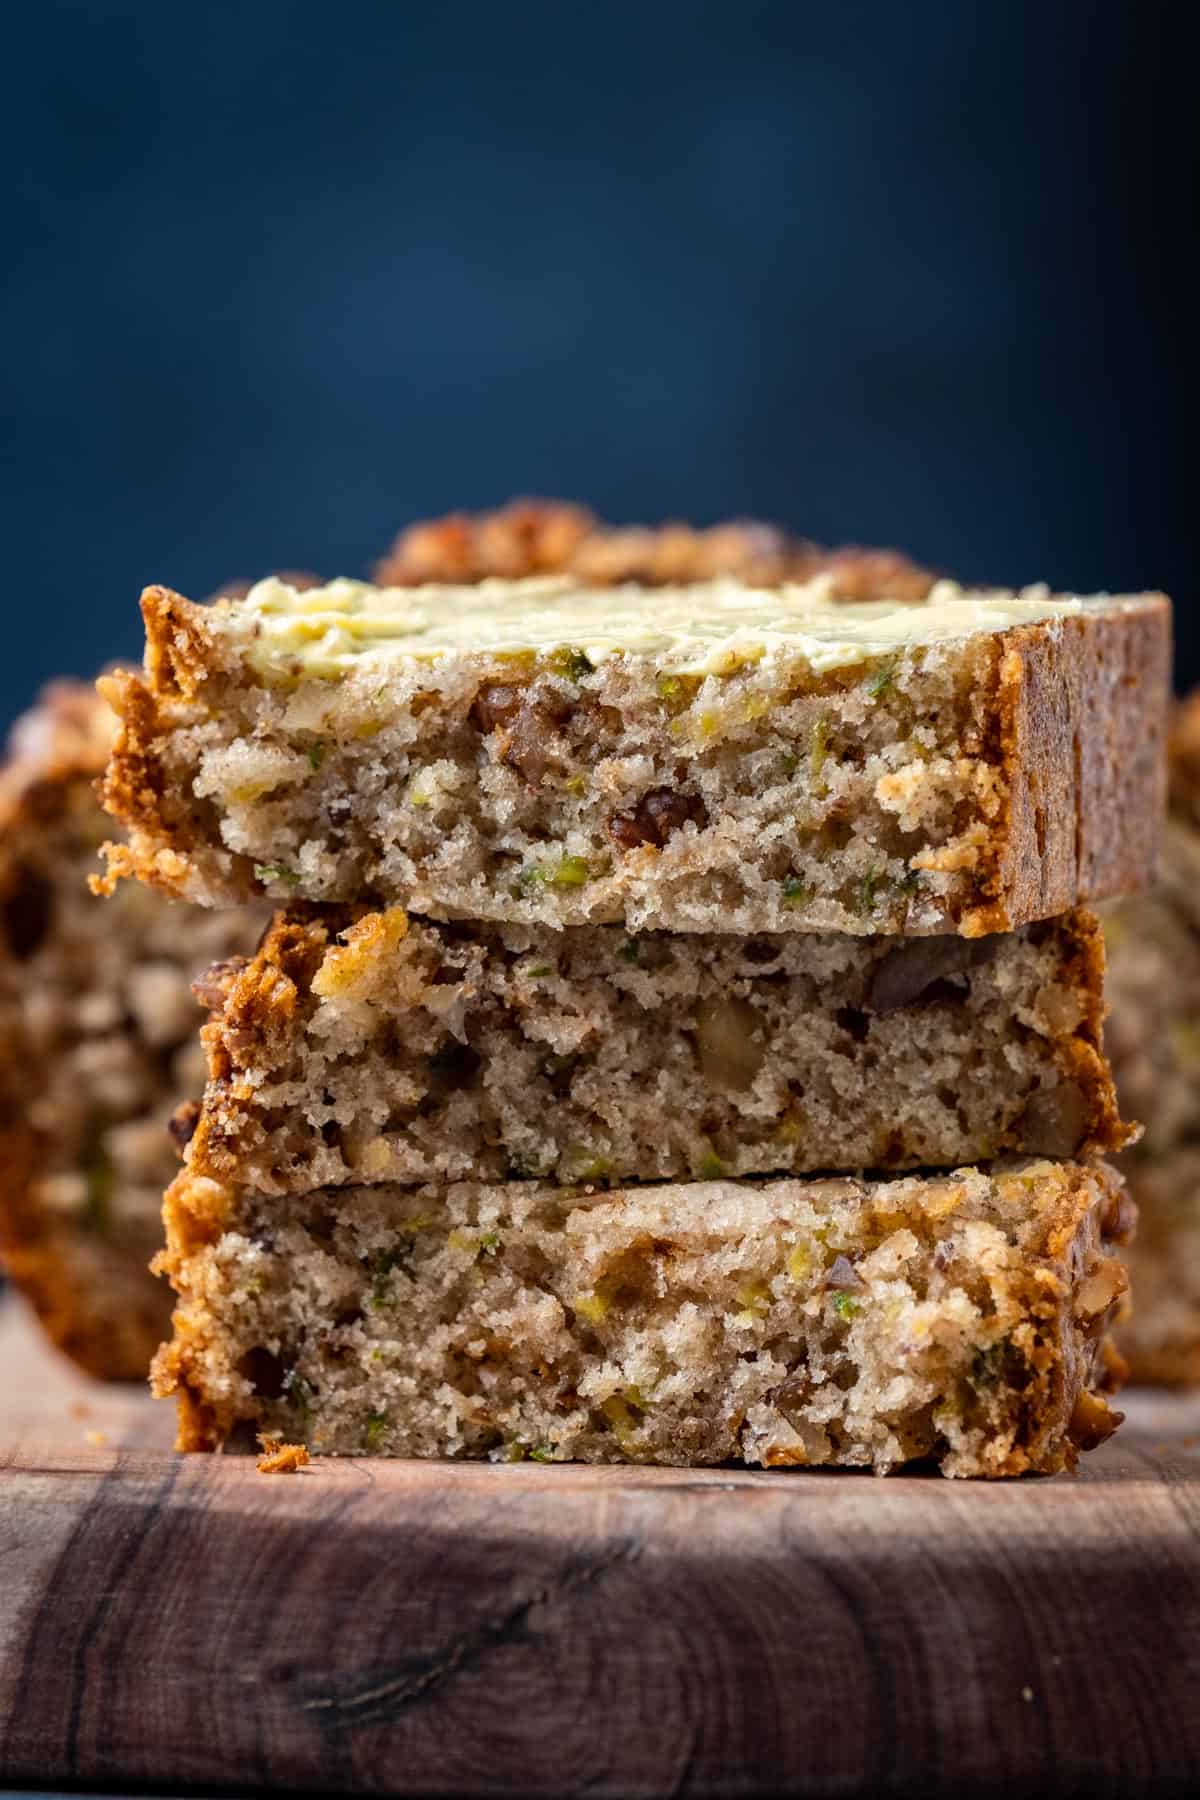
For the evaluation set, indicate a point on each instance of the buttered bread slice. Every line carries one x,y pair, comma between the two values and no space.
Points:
712,757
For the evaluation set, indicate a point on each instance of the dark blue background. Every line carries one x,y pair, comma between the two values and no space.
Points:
282,276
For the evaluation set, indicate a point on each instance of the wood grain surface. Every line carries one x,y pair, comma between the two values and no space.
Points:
409,1628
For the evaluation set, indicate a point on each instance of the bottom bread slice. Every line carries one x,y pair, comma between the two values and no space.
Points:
960,1318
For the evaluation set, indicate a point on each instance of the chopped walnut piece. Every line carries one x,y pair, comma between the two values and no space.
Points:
526,537
656,815
1098,1291
1055,1120
1120,1218
531,745
539,537
793,1392
789,1456
525,723
496,703
915,964
729,1042
1092,1420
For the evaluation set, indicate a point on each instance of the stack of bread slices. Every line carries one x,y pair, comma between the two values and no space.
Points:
680,1036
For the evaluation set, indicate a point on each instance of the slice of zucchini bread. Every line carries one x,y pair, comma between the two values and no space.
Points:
959,1319
98,1046
382,1047
558,537
705,758
1154,987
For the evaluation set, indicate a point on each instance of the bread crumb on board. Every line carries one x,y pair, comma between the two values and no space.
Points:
279,1458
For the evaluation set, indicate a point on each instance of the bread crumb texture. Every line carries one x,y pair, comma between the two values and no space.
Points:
959,1319
863,773
370,1046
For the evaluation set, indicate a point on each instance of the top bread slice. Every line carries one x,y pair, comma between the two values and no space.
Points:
702,758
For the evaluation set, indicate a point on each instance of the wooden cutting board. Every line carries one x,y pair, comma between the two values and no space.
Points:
431,1629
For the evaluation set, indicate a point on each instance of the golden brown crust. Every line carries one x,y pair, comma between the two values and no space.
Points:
1084,979
1080,1277
1078,713
195,1210
1076,1401
178,645
260,998
179,655
196,1423
549,537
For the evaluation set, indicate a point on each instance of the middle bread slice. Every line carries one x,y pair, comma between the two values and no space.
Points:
374,1046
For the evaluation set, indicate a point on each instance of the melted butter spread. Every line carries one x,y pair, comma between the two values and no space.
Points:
710,628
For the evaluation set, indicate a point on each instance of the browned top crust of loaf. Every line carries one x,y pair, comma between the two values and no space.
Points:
556,537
